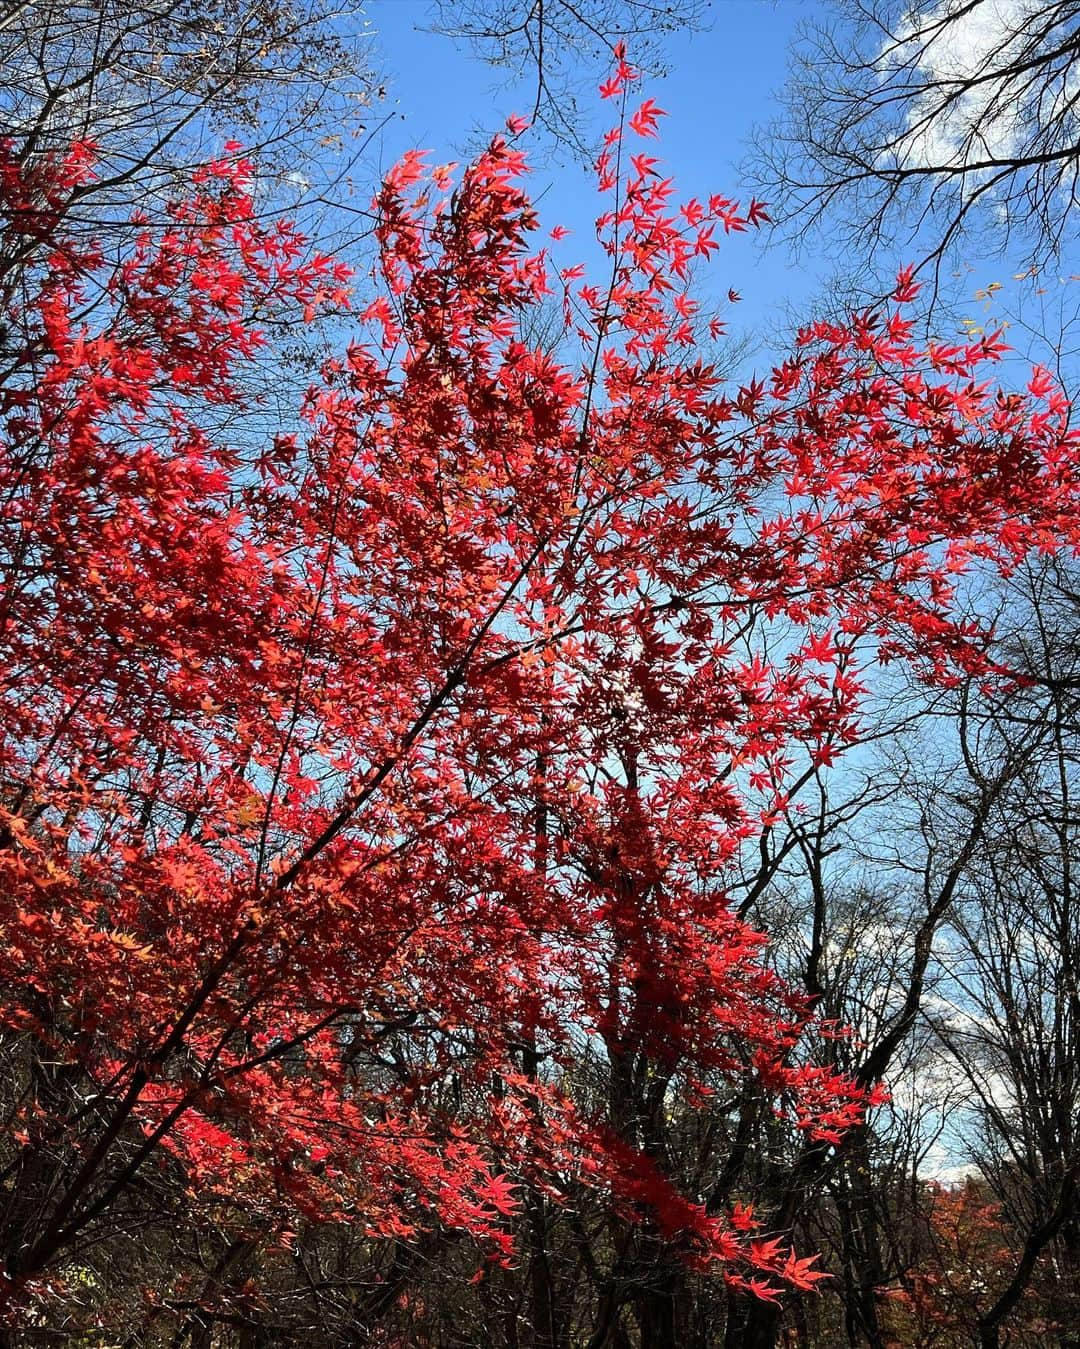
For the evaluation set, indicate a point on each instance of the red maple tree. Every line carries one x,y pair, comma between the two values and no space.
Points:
439,717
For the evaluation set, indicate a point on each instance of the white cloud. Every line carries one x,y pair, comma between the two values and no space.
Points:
979,41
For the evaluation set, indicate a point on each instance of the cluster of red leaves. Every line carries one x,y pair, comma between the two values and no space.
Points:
440,717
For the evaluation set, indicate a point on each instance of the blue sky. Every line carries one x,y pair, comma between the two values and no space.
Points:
721,83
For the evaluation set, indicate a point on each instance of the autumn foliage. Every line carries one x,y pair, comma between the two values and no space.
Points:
967,1255
434,719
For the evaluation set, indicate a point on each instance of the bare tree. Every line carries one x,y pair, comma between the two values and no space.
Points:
1012,1026
561,47
919,121
159,85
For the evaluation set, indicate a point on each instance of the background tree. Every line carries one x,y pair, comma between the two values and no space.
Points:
916,124
159,87
1010,1020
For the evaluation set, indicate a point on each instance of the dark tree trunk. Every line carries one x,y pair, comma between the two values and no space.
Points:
752,1324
